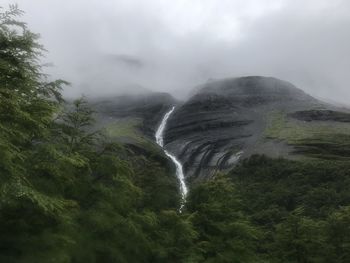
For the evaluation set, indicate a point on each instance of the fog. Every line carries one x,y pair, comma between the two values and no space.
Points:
121,46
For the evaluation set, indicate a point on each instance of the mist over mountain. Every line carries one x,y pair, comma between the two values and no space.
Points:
103,47
232,119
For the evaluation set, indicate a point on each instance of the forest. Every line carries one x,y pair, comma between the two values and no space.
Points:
70,194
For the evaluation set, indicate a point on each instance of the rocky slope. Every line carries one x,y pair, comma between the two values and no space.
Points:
235,118
231,119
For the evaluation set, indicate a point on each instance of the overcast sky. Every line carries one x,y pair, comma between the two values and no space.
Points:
109,46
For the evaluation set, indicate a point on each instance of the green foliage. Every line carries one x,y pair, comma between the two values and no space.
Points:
337,231
69,194
74,125
295,204
66,195
225,234
299,239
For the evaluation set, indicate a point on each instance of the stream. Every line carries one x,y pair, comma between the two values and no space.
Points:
179,170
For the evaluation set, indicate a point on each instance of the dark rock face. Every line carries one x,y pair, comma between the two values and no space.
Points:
226,120
321,115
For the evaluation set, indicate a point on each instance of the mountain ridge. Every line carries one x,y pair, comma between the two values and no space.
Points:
231,119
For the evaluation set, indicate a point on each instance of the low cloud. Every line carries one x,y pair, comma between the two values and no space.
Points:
113,47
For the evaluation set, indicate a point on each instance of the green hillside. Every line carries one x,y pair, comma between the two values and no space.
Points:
316,139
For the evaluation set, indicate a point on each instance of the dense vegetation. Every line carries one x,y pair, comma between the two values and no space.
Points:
301,208
70,194
67,194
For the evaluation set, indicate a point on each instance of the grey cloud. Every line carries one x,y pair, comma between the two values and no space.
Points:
110,47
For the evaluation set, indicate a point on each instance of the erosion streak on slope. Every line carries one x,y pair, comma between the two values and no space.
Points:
179,170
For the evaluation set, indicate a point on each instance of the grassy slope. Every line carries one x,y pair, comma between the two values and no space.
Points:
318,139
128,130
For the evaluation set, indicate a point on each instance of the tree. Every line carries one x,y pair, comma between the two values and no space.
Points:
74,124
225,234
28,102
299,239
338,235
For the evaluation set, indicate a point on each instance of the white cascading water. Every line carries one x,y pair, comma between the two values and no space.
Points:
179,170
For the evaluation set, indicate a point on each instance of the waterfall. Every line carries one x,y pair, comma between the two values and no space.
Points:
179,171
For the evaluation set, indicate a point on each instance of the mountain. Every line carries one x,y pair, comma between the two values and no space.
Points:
231,119
235,118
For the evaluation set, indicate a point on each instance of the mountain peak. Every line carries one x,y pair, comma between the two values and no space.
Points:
267,88
229,119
